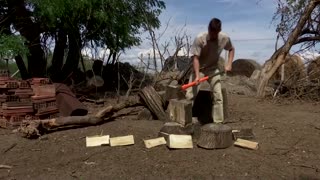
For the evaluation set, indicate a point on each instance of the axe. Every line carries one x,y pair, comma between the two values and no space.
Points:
186,86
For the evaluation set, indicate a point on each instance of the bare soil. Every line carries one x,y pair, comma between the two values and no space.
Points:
288,135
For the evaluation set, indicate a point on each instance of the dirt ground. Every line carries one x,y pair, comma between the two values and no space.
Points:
288,135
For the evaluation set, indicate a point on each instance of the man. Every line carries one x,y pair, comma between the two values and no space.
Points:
205,51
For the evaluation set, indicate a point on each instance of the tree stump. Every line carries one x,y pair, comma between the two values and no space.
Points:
154,102
172,128
215,136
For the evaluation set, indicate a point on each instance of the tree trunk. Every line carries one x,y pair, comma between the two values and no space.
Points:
31,31
35,128
154,102
279,56
22,68
58,56
73,58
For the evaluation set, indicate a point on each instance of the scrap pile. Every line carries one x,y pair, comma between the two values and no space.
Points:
22,100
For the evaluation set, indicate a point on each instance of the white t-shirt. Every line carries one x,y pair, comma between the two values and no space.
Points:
209,51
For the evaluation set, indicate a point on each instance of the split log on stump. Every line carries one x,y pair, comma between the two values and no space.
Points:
174,92
154,102
35,128
180,111
215,136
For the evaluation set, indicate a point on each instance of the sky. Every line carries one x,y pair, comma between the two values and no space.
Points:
247,22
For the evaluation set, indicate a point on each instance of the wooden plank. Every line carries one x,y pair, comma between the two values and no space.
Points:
180,141
154,142
180,111
246,144
122,140
93,141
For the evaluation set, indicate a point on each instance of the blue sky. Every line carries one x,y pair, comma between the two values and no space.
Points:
248,23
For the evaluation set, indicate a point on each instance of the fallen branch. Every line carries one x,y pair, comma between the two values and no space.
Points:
305,166
34,129
5,166
9,148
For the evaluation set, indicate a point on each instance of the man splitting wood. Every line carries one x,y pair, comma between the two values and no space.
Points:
205,52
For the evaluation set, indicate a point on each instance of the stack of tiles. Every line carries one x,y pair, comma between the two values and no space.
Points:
44,98
15,100
25,100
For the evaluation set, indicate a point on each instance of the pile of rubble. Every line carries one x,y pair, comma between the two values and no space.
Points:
22,100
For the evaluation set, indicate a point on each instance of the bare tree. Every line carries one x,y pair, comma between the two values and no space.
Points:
129,83
295,37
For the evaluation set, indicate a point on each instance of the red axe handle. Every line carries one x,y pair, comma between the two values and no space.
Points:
186,86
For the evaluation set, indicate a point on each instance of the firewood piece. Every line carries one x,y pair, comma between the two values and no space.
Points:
180,111
246,144
225,103
150,143
215,136
243,133
93,141
180,141
174,92
154,102
122,141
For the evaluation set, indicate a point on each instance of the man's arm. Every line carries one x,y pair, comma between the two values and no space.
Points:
231,51
195,53
230,59
196,67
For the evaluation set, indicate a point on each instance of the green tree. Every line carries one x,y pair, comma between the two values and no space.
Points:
72,25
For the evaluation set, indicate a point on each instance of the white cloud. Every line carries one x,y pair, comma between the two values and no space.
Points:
309,55
96,53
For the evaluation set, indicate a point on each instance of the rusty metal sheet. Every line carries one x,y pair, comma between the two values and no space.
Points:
67,102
